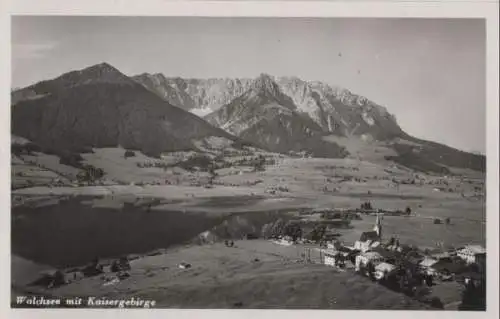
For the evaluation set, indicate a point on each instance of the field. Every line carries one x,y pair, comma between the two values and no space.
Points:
134,215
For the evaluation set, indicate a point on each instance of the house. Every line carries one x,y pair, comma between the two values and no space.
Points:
383,269
362,246
369,235
330,255
427,264
446,267
363,259
472,254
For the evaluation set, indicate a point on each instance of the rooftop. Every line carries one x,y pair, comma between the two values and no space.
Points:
385,267
475,249
371,255
369,235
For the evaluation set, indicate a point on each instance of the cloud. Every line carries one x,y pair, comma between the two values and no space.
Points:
27,51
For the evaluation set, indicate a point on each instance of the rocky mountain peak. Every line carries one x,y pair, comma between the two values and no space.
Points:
265,83
102,72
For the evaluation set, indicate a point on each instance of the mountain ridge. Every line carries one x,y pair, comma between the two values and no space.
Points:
342,113
280,114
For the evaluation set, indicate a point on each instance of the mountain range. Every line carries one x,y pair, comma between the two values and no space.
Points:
99,106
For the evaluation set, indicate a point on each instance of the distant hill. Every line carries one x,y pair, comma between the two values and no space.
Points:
101,107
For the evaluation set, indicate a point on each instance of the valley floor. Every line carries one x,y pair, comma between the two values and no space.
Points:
254,273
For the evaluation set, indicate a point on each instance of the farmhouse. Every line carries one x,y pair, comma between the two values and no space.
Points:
472,254
334,255
363,259
383,269
445,267
427,264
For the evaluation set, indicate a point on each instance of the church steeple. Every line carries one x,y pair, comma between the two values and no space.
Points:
378,226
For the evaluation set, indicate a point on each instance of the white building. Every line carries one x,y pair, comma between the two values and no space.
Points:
427,264
330,255
472,254
364,259
382,269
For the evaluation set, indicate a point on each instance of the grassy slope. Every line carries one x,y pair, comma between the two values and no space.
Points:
221,277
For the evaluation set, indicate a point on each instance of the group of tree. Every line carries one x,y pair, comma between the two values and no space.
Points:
393,241
24,149
273,229
293,230
259,163
317,234
280,228
212,173
366,206
90,173
474,296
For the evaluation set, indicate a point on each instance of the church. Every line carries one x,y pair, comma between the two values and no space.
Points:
370,239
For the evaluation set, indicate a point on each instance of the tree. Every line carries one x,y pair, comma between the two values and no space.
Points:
429,280
474,296
371,270
318,233
277,228
392,241
212,173
366,206
266,231
293,230
259,163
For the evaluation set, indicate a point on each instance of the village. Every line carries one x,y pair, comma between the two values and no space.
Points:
400,267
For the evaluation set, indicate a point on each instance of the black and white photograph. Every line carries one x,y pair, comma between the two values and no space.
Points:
183,162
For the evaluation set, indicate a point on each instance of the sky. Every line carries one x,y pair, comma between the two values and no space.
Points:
429,73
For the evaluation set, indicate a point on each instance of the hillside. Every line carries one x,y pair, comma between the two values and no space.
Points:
101,107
